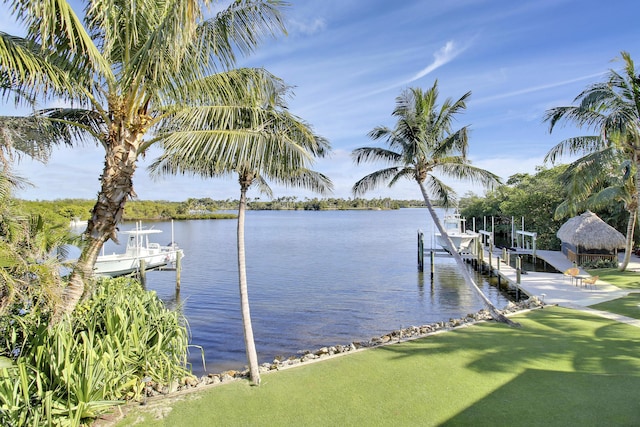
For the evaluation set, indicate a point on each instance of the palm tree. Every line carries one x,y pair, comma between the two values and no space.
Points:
423,143
595,181
611,108
260,140
129,69
31,251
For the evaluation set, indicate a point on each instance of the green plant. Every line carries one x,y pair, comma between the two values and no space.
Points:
68,373
600,263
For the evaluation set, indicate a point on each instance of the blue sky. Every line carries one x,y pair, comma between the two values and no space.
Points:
349,59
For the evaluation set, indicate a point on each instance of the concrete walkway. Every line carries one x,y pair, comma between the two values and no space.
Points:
556,288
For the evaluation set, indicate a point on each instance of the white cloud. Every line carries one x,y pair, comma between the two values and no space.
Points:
539,88
444,55
307,28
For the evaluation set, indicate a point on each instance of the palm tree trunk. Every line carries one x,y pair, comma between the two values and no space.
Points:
628,248
631,225
79,280
116,188
252,355
463,268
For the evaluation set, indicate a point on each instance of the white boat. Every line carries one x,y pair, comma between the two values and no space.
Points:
138,248
454,225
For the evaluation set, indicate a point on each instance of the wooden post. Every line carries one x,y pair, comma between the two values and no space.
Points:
143,273
178,269
420,251
493,228
490,262
433,264
518,269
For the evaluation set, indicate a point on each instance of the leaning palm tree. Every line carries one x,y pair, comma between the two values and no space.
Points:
126,68
423,143
612,109
260,141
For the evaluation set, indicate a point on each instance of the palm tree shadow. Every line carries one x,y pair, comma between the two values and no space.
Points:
568,339
542,397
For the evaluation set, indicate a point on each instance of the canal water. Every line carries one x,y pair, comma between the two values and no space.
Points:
315,278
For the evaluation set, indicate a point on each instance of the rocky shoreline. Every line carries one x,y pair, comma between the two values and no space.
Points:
410,333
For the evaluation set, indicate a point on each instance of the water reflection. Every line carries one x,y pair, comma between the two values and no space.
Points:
314,279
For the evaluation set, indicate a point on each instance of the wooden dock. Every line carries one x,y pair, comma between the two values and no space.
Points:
551,288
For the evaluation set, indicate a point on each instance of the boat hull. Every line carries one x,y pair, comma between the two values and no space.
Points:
139,253
121,264
461,241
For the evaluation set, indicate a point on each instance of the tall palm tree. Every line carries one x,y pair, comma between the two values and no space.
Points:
260,141
612,109
423,143
126,68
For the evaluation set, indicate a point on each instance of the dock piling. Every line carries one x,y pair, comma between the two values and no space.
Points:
143,273
421,251
178,269
433,264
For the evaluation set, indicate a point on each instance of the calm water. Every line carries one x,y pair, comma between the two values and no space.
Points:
315,279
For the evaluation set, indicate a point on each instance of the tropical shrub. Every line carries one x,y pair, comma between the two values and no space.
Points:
600,263
100,356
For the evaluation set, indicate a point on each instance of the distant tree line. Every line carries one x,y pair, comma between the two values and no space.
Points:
534,198
65,210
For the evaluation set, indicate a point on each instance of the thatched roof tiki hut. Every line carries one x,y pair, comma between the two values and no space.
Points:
587,238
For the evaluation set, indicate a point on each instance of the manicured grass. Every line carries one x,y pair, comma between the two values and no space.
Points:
621,279
562,367
628,306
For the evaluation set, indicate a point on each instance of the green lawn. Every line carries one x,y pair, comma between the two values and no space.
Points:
628,306
562,367
622,279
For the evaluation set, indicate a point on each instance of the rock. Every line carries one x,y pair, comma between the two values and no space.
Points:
322,351
214,379
192,382
308,357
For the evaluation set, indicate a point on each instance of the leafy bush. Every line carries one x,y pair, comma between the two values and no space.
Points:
70,372
600,263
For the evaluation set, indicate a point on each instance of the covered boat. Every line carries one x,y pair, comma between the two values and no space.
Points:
138,249
454,225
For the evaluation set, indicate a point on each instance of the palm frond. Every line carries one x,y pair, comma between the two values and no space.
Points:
575,145
375,179
55,35
458,168
374,154
262,186
30,136
445,196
